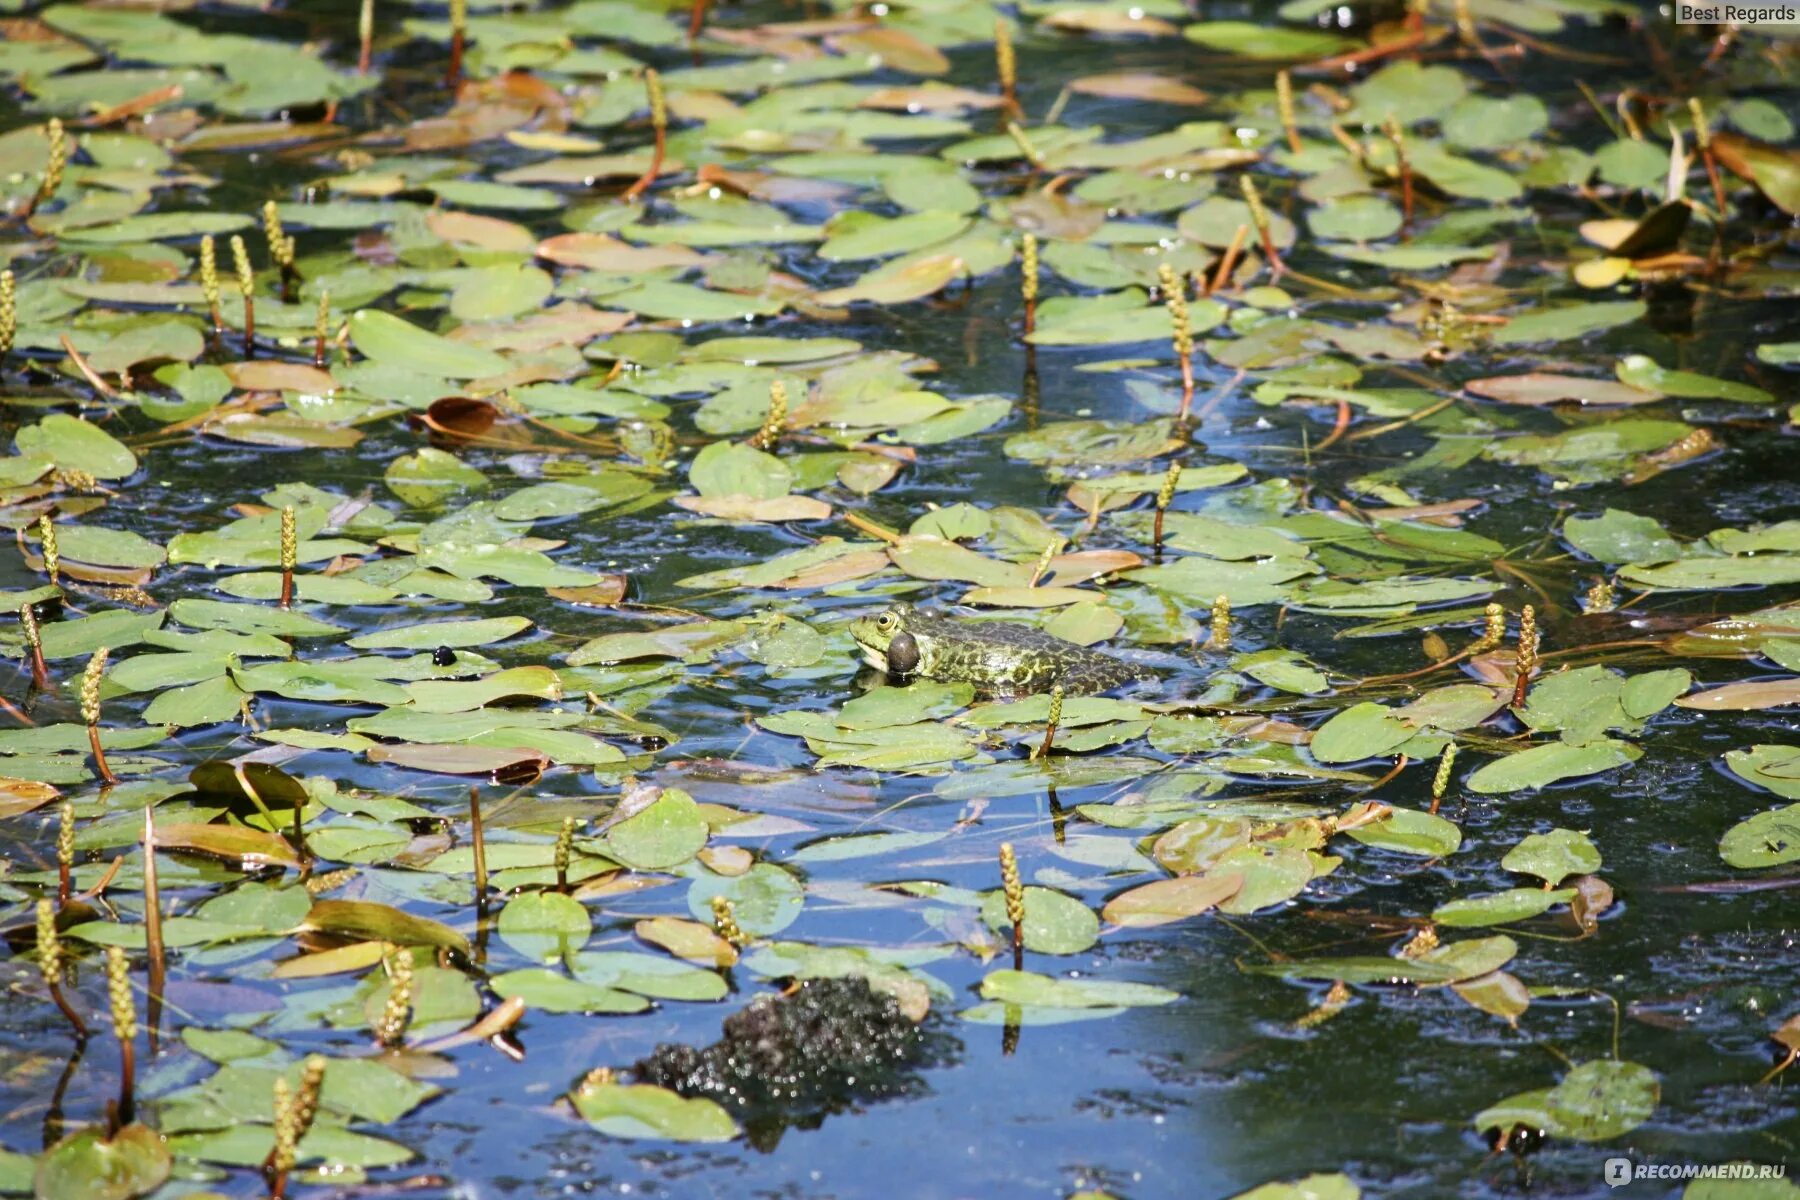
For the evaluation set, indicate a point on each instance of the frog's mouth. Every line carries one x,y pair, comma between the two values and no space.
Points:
875,658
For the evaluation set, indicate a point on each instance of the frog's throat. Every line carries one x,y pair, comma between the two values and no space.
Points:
875,658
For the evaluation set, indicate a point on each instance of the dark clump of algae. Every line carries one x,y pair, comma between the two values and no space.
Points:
1453,855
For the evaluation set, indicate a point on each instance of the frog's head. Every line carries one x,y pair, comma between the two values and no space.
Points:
877,636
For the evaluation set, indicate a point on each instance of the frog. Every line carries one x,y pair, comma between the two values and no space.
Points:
1000,658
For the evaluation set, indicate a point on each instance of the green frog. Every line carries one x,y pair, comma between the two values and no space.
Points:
998,657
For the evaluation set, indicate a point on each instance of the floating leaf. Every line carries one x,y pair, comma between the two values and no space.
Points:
392,342
639,1111
1768,839
544,926
1553,856
1167,900
135,1161
1054,923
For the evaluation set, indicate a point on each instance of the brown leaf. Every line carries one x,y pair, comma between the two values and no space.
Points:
1083,565
837,570
283,430
367,921
917,279
461,760
1108,21
1593,896
1774,169
930,97
1140,86
777,189
894,48
1054,215
744,508
1168,900
688,939
1498,993
237,843
608,592
726,860
459,417
20,796
1027,597
568,324
484,233
1754,693
599,252
339,960
270,376
1538,388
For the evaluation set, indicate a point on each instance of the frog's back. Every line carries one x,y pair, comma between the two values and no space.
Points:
1010,658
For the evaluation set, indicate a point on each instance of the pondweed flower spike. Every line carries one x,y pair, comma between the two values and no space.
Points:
725,921
775,421
34,641
9,311
322,329
1600,598
294,1114
1421,943
1006,67
281,249
659,124
65,853
1526,661
565,842
52,552
1013,889
1397,136
209,284
1221,624
1052,721
459,36
286,1151
1334,1001
124,1022
390,1027
1259,217
50,962
1028,279
90,711
1181,330
1284,104
246,281
365,36
1440,783
1703,139
478,844
1165,495
290,555
1044,558
53,165
1493,631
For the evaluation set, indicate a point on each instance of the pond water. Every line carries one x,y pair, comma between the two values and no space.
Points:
596,459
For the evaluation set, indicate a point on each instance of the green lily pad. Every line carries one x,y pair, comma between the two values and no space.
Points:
642,1111
1054,923
1553,856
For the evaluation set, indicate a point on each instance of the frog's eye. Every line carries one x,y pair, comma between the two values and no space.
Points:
886,621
